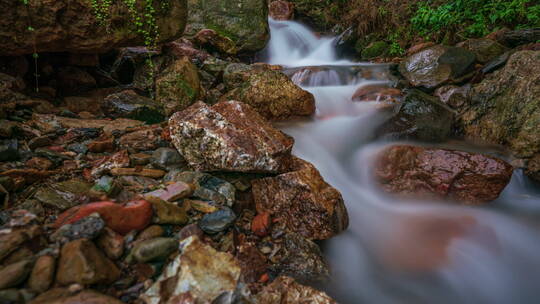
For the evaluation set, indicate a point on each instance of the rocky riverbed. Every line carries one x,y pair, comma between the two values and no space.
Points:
131,174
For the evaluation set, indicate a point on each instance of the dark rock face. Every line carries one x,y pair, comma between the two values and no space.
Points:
505,107
243,21
71,25
421,117
303,201
229,136
523,36
441,174
437,65
269,92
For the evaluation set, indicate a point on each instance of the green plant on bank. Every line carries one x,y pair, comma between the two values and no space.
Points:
395,47
35,55
474,18
143,15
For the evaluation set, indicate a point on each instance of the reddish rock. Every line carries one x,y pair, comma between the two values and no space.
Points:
117,160
285,290
111,243
121,218
67,296
153,173
39,163
261,224
172,192
281,10
212,39
145,139
377,93
229,136
442,174
81,262
100,145
42,274
184,48
303,201
252,262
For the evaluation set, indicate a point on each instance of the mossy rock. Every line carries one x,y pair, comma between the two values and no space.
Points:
178,86
375,49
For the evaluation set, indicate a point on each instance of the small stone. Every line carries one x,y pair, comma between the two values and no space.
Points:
81,262
64,195
119,159
150,232
140,159
153,173
14,274
38,142
101,145
217,221
88,228
152,250
107,185
199,270
66,296
42,275
172,192
261,224
143,139
206,186
9,150
167,213
190,230
111,243
202,206
122,218
166,157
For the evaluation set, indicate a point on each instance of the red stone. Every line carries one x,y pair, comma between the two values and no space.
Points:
261,224
122,218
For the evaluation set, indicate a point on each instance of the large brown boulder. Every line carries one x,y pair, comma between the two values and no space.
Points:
303,201
432,173
229,136
74,26
269,92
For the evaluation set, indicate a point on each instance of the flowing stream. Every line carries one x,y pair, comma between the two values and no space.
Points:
401,251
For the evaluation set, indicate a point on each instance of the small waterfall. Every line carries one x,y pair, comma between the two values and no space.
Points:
394,251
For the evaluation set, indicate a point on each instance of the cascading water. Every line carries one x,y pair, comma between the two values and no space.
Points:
393,251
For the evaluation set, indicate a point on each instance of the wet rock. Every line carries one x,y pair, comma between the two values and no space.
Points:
153,173
214,41
521,36
184,48
303,201
190,230
119,159
150,232
437,65
206,186
128,104
375,49
111,243
285,290
281,10
73,27
505,107
421,117
102,144
301,259
418,47
140,159
167,213
88,228
66,296
261,224
106,185
64,195
153,250
166,157
9,150
121,218
178,86
199,270
14,274
441,174
145,139
202,206
271,93
172,192
217,221
484,49
533,168
42,275
81,262
496,63
12,240
252,262
229,136
377,93
244,22
453,96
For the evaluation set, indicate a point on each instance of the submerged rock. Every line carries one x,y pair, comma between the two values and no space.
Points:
229,136
441,174
243,21
505,107
437,65
303,201
285,290
199,271
421,117
271,93
72,26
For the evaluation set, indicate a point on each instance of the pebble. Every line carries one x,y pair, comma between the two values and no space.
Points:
166,157
88,228
15,273
217,221
151,250
167,213
111,243
42,274
172,192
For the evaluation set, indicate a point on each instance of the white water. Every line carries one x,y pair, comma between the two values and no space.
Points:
393,251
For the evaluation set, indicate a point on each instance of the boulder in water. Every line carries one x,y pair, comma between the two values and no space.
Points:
414,171
229,136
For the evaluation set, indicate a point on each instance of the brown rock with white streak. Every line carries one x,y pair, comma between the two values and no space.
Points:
285,290
441,174
281,10
229,136
303,201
